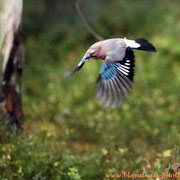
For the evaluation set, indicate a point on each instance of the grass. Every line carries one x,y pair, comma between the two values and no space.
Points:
67,135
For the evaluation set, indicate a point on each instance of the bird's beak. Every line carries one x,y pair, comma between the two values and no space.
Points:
88,55
80,65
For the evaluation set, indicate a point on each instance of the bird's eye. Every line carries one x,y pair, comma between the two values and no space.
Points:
93,53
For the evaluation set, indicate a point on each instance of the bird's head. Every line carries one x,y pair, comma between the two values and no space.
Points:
93,51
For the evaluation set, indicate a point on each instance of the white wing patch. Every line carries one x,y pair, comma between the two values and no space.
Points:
124,71
126,67
127,64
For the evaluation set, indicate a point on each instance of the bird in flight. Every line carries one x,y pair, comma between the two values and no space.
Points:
117,71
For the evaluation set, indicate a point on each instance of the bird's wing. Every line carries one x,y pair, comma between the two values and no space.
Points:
115,80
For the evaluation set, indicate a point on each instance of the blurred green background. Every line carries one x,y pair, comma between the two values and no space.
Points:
67,135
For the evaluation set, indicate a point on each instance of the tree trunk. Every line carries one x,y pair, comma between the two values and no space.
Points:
11,63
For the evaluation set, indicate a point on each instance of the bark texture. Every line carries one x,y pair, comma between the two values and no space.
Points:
11,62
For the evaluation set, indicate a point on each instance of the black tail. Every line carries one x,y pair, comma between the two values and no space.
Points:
145,45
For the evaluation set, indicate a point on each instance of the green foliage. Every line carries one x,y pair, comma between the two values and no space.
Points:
67,135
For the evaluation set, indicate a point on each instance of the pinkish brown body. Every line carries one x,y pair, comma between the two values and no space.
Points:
110,50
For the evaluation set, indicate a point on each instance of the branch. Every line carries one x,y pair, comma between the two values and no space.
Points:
85,22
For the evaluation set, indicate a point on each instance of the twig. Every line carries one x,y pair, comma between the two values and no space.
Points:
85,22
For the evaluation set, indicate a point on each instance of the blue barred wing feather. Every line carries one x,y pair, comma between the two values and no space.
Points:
115,80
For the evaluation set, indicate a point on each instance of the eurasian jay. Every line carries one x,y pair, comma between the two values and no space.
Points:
117,71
